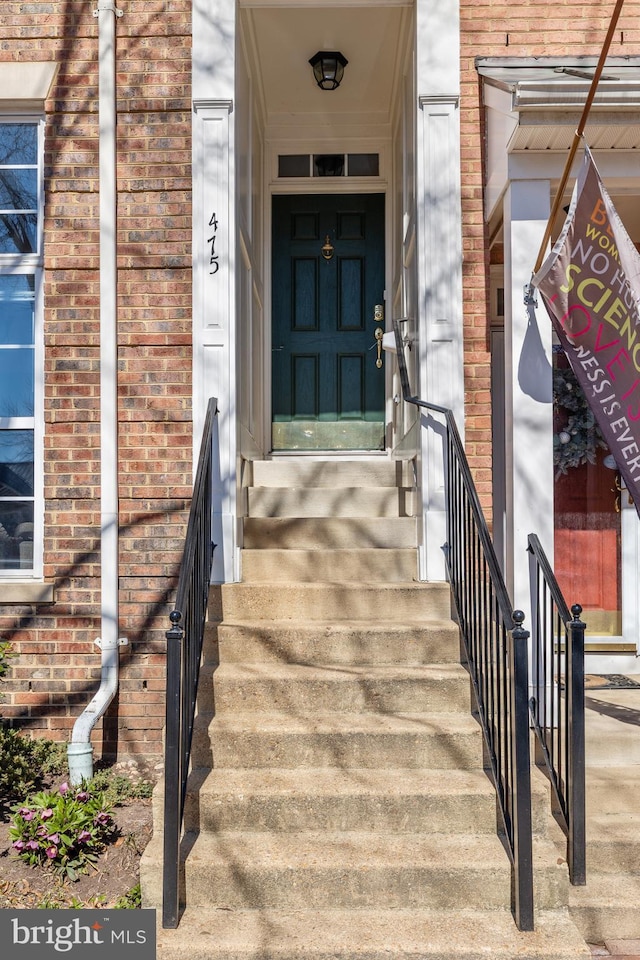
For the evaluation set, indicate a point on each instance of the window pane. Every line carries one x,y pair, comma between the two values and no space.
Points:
16,536
18,189
293,165
363,165
18,144
329,165
16,463
16,382
17,308
18,232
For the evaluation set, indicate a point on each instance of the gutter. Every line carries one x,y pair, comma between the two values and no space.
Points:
80,750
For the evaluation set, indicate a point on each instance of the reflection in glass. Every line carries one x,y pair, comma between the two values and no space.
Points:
16,382
18,232
18,189
16,535
18,144
16,308
16,463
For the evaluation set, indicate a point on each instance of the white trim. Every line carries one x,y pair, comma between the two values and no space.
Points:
528,390
214,326
31,264
25,83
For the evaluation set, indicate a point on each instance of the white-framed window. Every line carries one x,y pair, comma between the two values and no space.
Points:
21,347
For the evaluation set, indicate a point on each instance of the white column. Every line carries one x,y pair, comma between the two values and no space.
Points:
214,246
528,389
214,328
440,346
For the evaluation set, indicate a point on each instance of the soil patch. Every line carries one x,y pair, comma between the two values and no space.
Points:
116,871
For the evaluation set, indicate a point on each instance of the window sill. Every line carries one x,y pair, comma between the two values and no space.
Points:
26,591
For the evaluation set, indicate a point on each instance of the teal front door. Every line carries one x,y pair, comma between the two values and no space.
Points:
328,288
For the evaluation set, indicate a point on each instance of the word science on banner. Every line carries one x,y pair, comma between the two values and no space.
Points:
589,284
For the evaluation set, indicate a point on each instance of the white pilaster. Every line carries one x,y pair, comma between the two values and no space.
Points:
528,389
440,343
214,333
214,247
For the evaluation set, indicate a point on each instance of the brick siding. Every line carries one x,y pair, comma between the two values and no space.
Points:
518,29
58,667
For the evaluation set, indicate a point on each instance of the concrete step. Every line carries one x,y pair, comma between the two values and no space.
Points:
339,601
613,843
607,908
304,690
613,789
371,740
306,533
392,565
393,800
304,472
609,713
356,870
324,641
379,934
329,502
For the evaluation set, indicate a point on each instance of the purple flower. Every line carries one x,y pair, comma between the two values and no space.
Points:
102,819
26,813
51,852
41,831
47,814
82,796
54,838
18,845
83,836
32,845
64,788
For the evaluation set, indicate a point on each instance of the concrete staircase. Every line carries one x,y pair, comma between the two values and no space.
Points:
338,806
608,907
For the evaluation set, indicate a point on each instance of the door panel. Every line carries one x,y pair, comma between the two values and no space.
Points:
323,345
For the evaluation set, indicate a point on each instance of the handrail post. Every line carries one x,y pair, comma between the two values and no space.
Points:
523,851
576,786
172,774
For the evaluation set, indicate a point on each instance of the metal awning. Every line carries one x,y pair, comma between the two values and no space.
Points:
543,98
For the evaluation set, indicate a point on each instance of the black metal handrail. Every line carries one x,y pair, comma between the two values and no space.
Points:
184,651
557,702
496,649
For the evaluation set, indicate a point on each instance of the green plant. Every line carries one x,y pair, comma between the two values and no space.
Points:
118,789
131,900
5,655
25,762
64,829
576,436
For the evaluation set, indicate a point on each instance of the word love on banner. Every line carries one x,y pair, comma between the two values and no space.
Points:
83,934
590,284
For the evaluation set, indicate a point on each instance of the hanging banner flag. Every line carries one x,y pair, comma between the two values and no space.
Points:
590,285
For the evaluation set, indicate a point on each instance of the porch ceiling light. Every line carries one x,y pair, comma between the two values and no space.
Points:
328,68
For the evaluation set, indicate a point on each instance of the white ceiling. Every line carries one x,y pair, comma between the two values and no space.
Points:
281,41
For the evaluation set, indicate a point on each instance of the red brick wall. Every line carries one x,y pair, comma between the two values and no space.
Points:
518,29
58,667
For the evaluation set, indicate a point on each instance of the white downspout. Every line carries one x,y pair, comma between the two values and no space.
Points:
80,751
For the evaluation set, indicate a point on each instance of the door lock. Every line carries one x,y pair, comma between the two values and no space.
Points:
378,313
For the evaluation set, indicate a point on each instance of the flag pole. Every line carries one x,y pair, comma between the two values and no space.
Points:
578,134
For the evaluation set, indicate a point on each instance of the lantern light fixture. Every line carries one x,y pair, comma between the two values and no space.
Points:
328,68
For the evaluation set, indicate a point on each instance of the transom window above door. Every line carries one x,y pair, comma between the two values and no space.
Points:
329,165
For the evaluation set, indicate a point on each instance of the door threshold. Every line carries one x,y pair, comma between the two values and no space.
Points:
328,454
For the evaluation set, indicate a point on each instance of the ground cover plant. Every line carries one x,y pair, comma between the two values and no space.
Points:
65,846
